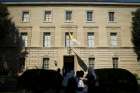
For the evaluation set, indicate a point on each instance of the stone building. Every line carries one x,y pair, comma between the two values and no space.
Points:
56,31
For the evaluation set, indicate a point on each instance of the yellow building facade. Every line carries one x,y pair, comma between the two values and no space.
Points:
100,34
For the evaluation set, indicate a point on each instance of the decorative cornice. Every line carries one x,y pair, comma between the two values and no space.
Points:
79,48
72,3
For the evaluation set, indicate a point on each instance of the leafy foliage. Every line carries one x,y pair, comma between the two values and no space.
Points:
136,31
11,44
116,81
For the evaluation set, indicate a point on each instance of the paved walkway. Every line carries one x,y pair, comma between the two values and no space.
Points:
16,92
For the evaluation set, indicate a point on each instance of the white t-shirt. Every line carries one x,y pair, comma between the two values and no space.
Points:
81,84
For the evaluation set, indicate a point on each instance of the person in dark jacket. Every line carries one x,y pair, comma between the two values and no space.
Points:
91,80
72,84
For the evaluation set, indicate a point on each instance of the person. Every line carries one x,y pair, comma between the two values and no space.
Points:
59,81
81,87
71,84
91,80
59,70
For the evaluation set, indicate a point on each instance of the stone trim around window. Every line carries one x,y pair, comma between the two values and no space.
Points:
51,30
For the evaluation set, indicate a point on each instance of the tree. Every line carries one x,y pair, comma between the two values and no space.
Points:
11,44
136,32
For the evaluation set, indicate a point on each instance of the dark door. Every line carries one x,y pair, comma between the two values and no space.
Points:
68,64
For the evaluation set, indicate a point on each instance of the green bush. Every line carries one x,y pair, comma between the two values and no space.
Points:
116,80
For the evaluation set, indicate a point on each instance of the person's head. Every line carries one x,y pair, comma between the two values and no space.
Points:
81,73
58,70
77,73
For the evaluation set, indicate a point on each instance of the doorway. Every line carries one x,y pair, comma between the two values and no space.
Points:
68,64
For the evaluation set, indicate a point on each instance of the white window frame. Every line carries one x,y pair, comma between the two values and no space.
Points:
115,61
91,62
46,39
24,36
90,39
47,18
45,63
25,17
113,39
111,16
87,17
68,41
68,18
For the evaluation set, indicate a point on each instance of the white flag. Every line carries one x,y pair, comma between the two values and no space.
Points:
73,40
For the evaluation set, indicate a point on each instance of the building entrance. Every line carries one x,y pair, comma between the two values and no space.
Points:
68,64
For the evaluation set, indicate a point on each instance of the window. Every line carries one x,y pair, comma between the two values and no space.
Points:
48,16
113,37
89,16
90,39
47,39
45,64
115,62
68,42
24,38
25,16
91,62
111,16
68,16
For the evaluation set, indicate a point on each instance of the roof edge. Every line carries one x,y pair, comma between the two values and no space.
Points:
70,3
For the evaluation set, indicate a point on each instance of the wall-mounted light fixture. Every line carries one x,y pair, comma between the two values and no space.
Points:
55,62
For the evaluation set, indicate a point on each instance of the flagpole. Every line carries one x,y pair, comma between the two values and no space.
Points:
71,49
80,60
